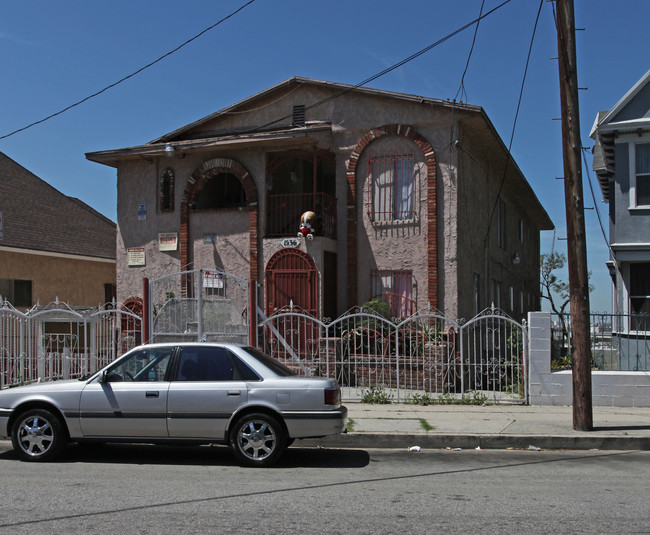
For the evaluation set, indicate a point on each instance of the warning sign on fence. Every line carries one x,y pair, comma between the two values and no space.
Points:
212,279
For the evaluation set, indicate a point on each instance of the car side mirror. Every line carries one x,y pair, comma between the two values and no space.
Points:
103,377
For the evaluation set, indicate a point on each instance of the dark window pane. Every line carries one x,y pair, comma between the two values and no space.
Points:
643,190
205,364
640,279
22,293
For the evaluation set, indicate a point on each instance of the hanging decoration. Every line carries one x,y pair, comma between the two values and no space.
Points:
308,223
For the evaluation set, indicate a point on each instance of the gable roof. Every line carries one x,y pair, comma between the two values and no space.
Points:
631,113
298,81
38,217
193,137
218,130
611,120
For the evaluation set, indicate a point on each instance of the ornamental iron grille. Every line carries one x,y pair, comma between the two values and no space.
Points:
425,354
61,342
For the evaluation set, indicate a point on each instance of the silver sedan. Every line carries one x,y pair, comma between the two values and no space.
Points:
191,393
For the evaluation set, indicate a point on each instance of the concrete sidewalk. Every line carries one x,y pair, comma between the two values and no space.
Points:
488,427
491,426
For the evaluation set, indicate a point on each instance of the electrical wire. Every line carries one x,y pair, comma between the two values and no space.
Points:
129,75
593,196
381,73
514,125
461,89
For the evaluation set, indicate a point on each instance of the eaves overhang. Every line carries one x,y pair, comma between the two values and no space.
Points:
181,148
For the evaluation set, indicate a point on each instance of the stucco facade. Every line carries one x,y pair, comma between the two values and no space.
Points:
79,281
403,187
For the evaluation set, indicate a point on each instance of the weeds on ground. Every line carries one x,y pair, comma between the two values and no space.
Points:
421,399
426,425
349,426
377,396
469,398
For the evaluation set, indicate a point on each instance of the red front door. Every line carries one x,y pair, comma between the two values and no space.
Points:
291,278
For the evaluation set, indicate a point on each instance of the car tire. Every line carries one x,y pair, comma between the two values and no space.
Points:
38,435
258,439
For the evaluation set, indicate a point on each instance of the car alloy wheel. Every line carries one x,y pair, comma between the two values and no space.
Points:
38,435
258,439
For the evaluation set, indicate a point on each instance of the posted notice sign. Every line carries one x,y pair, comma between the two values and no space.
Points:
136,256
212,279
167,241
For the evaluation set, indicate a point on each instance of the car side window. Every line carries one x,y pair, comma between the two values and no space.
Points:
146,365
205,364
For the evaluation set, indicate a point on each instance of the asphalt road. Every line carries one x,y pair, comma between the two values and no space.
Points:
144,489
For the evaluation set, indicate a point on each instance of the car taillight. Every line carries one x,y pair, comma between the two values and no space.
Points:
333,396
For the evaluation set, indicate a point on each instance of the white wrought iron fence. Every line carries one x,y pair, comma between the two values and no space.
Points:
425,354
59,342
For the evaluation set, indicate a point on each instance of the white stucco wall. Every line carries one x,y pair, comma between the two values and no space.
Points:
609,388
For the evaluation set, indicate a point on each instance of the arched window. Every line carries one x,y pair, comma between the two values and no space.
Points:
167,191
221,191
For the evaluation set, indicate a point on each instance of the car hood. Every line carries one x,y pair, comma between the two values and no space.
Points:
46,386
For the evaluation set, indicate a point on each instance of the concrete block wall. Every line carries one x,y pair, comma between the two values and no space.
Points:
546,387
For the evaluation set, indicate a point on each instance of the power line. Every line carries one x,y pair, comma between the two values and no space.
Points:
385,71
129,75
593,196
514,124
461,89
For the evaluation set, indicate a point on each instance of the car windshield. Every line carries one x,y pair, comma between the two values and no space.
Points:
275,366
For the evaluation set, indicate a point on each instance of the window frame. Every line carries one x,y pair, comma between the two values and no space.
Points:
501,224
632,147
633,295
399,279
167,184
383,197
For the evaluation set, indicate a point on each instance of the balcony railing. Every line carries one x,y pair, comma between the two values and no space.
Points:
284,211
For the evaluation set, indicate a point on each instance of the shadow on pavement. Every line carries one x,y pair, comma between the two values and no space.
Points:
147,454
622,428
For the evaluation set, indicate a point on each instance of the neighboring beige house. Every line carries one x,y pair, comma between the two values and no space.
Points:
416,201
51,245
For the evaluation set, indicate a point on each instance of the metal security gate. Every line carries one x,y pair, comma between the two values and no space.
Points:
425,354
199,305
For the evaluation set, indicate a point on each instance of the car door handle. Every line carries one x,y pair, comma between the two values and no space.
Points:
152,394
234,392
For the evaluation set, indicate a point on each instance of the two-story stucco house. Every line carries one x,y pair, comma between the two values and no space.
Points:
622,164
416,201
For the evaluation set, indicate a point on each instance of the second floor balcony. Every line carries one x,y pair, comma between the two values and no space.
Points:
284,211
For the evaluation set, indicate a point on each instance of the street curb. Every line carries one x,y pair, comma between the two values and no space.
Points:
472,441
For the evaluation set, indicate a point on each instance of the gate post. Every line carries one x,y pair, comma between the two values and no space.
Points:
146,311
199,306
252,313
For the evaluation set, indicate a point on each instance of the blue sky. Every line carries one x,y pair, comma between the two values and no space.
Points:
53,54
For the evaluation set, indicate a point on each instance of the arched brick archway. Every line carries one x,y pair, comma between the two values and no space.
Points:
197,180
432,211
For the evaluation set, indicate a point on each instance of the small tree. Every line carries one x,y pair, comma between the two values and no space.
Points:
555,290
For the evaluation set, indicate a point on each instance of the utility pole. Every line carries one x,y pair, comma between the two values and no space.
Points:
575,218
